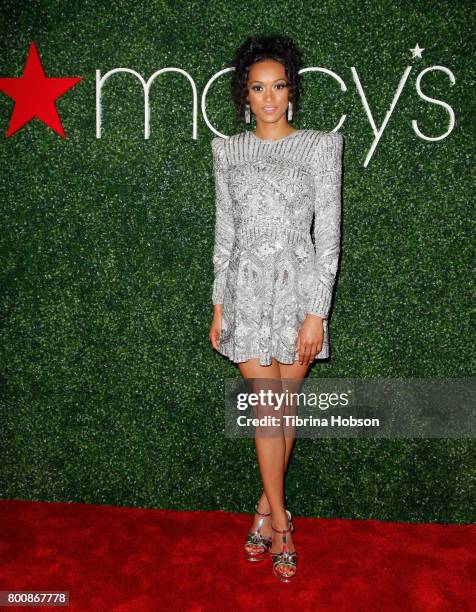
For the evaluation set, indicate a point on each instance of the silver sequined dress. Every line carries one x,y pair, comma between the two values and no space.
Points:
267,273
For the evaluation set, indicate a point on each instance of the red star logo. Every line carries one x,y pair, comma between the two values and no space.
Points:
35,95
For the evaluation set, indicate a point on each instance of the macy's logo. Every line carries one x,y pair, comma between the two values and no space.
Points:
35,95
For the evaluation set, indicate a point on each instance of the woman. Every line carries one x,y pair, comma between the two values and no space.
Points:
272,288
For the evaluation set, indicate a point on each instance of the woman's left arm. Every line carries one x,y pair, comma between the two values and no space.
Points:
327,220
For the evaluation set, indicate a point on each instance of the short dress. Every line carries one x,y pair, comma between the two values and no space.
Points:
268,274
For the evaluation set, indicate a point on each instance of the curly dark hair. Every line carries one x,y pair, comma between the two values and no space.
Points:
255,48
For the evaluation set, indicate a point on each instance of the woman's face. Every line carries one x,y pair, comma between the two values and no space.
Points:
268,93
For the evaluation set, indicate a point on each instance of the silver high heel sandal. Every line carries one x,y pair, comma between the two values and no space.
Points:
285,562
257,540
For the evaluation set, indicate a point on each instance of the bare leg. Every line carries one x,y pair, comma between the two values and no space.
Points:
291,381
273,452
270,451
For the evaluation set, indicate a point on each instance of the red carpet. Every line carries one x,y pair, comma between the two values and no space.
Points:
125,559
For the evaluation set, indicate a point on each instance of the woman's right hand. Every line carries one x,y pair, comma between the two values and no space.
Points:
215,327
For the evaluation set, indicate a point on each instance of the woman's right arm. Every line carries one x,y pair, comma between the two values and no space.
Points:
224,226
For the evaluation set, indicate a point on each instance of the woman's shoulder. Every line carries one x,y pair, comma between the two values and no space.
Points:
306,132
327,144
217,142
218,149
312,144
230,149
329,136
335,137
315,145
317,139
222,146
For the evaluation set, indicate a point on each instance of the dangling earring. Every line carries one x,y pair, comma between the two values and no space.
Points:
247,113
290,111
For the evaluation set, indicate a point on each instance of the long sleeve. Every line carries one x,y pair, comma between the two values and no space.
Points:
328,184
224,225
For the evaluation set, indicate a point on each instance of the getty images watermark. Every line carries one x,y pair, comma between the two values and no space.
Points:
341,407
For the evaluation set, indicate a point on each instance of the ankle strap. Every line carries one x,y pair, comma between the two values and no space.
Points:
283,531
260,513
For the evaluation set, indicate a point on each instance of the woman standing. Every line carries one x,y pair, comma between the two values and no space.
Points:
272,288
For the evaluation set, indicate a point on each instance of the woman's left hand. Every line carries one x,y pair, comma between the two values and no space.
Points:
310,338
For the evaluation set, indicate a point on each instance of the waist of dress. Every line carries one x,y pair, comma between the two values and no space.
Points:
277,228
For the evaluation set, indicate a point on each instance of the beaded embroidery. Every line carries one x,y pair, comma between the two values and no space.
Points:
267,273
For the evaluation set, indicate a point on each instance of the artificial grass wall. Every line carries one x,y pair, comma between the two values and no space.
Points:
111,392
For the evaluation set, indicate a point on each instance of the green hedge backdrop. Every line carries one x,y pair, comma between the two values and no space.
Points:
111,392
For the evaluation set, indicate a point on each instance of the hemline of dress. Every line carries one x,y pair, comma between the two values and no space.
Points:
266,361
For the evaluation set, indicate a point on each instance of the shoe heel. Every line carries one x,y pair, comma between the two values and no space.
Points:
290,519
